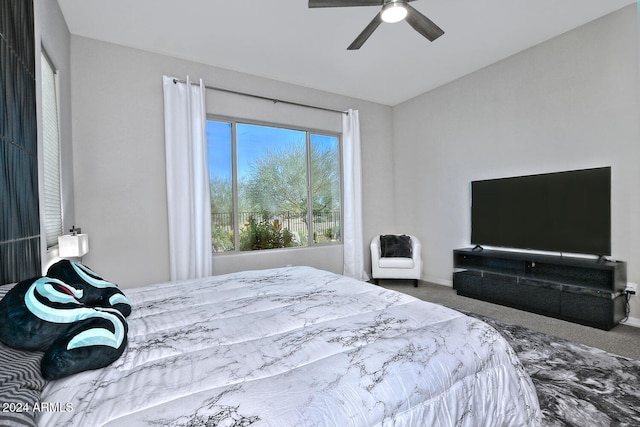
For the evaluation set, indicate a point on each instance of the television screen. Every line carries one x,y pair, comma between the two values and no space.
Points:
560,212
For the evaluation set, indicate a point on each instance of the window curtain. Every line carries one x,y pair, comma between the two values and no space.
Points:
352,226
20,238
188,194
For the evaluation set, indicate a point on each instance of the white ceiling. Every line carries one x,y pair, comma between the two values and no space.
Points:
285,40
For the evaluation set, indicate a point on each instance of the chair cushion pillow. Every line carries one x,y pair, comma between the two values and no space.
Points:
395,262
392,245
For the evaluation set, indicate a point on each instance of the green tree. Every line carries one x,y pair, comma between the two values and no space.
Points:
278,180
325,179
221,195
221,191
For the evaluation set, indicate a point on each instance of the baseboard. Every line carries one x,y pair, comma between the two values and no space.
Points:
632,321
436,281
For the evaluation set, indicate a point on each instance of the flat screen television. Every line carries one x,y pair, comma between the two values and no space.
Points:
559,212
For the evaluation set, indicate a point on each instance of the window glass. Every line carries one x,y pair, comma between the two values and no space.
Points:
325,178
284,190
272,187
219,146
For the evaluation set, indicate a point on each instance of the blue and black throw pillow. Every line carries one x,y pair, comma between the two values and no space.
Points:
76,318
35,312
97,292
91,343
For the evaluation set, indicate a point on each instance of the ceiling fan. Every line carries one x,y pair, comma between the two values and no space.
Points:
392,11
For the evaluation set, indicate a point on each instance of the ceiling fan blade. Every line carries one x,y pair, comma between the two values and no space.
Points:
366,33
422,24
344,3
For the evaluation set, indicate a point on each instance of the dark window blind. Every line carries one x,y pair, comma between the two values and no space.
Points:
19,212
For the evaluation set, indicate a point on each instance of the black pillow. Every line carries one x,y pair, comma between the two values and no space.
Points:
20,326
79,324
393,245
92,343
97,292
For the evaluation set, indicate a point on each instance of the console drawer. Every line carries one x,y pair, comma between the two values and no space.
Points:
468,283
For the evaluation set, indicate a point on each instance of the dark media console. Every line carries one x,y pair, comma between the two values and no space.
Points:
580,290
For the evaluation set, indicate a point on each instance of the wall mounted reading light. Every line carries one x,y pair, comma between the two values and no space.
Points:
73,245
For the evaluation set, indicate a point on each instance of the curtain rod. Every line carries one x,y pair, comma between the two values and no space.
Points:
275,101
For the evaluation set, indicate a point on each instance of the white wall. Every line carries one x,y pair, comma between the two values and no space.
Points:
569,103
119,164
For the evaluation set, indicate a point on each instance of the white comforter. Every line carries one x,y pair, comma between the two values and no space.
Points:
297,347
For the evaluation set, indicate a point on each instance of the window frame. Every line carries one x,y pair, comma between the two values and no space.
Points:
234,121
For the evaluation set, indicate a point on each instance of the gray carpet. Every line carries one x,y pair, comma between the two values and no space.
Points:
578,383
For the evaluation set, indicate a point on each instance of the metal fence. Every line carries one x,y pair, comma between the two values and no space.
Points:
326,224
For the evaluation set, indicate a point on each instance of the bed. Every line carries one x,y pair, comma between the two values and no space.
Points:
296,346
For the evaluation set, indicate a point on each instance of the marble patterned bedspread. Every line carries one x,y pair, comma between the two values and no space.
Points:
297,347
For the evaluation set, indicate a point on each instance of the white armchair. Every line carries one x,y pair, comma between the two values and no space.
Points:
396,257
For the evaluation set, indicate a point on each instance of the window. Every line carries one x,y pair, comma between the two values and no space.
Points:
272,187
51,153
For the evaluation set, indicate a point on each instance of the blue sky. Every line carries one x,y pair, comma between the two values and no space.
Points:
219,141
253,140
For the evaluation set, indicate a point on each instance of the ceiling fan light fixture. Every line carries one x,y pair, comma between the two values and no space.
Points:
393,12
